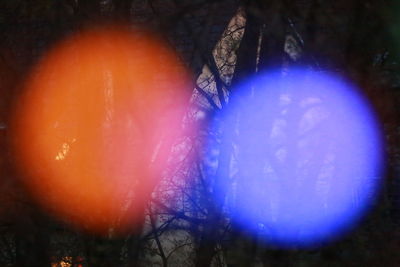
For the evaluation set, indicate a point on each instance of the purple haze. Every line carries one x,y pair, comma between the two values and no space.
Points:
306,157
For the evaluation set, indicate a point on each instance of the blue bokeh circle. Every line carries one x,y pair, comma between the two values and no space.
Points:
299,157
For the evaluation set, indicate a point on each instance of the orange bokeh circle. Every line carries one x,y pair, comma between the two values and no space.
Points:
94,125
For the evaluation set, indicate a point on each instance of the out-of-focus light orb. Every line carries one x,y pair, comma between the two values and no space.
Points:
93,128
306,157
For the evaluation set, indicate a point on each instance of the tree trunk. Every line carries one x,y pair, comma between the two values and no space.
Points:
103,251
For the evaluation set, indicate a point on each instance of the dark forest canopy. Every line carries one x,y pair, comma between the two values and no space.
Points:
222,43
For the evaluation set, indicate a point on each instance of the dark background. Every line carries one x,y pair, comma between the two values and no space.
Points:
356,38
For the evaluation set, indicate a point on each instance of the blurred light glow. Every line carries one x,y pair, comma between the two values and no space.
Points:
306,157
93,127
